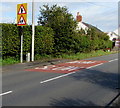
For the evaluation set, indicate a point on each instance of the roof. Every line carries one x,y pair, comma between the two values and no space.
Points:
91,26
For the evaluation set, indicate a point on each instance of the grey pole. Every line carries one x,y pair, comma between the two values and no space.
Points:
33,30
21,56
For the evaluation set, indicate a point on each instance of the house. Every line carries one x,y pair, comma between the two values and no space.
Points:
115,37
83,25
80,24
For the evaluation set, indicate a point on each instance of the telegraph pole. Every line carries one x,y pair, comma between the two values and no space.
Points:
33,31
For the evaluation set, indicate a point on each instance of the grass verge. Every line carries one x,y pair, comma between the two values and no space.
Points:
41,58
80,56
10,60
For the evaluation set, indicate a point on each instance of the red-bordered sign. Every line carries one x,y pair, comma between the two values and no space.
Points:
21,21
22,14
22,10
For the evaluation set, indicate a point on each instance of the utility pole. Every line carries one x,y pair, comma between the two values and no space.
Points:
33,30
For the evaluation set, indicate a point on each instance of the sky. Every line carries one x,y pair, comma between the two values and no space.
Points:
103,15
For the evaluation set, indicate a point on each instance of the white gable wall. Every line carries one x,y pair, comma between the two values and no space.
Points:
81,26
112,35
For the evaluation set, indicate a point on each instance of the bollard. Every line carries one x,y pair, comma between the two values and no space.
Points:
28,57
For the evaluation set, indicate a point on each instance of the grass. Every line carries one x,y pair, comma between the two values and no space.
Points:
80,56
10,60
77,56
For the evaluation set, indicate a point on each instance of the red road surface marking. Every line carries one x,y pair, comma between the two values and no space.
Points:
82,63
67,67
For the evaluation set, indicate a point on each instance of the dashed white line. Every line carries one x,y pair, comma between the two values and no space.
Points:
5,93
72,73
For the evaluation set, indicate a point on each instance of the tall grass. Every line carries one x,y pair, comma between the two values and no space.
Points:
79,56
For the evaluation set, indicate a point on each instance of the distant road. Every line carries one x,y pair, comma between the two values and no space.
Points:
93,86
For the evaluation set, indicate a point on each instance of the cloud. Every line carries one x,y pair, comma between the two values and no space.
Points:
102,14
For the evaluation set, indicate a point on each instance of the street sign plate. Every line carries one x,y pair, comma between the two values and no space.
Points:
22,14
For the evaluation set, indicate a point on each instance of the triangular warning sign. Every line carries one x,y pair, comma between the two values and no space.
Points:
21,21
22,10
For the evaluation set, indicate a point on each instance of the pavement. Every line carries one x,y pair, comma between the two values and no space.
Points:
93,85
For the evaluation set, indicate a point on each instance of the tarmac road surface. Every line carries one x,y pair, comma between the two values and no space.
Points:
90,82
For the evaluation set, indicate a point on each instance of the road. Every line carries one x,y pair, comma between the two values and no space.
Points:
92,86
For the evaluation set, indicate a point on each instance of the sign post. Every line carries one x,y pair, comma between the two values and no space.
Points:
21,55
21,21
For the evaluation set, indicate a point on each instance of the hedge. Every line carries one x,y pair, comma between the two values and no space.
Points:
44,40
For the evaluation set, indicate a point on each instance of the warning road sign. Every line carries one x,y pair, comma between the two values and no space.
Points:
21,21
21,14
22,10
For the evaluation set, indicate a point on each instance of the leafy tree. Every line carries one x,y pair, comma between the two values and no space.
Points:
63,24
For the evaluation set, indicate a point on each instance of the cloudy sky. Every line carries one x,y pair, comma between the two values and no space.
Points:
103,15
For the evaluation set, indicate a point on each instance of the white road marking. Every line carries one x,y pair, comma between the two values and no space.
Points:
94,66
72,72
5,93
57,77
113,60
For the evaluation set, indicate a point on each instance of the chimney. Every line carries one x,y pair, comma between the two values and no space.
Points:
78,17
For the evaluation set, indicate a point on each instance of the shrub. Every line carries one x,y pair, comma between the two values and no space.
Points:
11,40
44,40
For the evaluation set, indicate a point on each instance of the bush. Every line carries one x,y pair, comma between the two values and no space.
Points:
27,39
45,37
44,40
11,40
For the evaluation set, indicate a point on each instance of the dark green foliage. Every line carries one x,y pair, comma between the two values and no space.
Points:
27,39
63,25
67,39
44,40
57,34
11,40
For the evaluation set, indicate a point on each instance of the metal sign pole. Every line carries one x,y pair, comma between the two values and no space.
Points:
33,30
21,55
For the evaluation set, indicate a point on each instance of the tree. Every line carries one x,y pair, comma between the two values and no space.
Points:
63,24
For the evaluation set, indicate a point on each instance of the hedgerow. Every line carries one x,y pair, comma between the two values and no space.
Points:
11,40
77,41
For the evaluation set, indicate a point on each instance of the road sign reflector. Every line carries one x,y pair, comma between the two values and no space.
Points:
21,21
